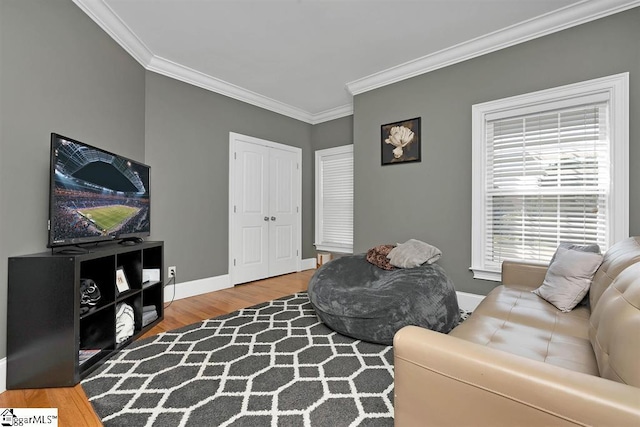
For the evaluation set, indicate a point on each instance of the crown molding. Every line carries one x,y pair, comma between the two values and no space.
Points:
332,114
111,23
196,78
567,17
188,75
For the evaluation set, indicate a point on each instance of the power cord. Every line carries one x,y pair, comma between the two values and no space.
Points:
173,297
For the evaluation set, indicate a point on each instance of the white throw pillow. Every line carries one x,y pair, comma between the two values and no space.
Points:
568,278
413,253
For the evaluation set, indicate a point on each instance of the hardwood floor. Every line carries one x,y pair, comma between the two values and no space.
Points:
73,407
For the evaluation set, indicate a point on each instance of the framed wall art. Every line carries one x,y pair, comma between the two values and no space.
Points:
400,142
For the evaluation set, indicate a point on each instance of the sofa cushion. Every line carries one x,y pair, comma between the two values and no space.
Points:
518,304
618,257
514,320
568,278
614,328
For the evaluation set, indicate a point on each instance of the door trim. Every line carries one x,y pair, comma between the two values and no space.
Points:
233,137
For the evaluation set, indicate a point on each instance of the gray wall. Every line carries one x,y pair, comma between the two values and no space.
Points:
431,200
333,133
58,73
187,147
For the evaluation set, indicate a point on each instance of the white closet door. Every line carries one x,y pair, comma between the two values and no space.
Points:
264,188
251,223
283,232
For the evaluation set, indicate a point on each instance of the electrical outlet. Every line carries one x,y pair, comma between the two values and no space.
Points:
172,271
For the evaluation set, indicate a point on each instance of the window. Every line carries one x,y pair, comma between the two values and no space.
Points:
549,167
334,199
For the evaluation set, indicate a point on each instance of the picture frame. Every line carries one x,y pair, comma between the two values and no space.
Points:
400,142
121,281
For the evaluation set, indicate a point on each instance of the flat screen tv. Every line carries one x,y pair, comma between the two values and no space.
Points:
95,195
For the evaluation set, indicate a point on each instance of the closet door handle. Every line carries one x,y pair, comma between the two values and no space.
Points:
273,218
266,218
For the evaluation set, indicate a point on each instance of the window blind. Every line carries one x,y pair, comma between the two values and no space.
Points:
548,181
334,199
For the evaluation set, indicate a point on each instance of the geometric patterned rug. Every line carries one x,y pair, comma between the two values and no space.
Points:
273,364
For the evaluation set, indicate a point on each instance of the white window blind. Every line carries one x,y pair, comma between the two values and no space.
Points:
547,182
334,199
549,167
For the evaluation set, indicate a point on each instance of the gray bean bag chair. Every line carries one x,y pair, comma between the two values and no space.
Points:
358,299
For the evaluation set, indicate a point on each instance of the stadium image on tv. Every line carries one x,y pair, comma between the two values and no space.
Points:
95,195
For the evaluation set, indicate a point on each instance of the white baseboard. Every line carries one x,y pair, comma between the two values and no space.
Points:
308,264
3,375
467,301
216,283
197,287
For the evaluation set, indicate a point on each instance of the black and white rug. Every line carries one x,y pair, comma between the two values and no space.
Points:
274,364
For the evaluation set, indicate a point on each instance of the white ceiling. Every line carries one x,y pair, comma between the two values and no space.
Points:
306,58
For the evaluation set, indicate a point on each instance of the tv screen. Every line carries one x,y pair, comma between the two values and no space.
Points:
95,195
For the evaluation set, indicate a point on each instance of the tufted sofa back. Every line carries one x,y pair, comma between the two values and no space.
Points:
618,257
614,324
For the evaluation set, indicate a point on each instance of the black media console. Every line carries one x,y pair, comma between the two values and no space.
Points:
55,336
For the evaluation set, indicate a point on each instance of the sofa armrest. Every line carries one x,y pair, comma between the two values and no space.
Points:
441,380
527,274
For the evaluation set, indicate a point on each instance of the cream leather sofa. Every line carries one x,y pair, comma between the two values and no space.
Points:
519,361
